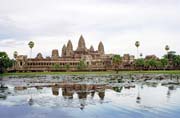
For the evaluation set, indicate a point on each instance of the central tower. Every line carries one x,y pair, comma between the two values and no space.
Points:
81,44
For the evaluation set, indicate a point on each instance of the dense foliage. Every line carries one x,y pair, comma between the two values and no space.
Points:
81,65
5,62
56,66
168,61
117,59
67,67
139,63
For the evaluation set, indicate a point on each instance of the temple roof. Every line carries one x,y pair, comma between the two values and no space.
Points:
69,45
64,47
81,44
63,50
101,47
55,54
39,56
91,48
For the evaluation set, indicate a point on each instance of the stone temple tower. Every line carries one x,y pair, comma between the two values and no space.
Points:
55,54
69,49
91,49
81,44
101,48
39,56
63,53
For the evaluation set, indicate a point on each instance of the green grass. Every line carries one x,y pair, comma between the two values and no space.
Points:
158,72
58,73
98,72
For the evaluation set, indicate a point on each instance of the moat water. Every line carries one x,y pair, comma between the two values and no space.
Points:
90,96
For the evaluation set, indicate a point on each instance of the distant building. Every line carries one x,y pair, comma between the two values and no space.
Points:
151,57
127,61
127,58
69,59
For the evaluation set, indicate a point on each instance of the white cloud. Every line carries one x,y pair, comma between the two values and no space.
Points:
118,23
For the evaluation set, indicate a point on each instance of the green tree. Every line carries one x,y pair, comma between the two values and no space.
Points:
56,66
176,60
5,62
15,54
151,63
141,55
117,59
81,65
164,62
171,55
137,44
159,64
173,59
31,45
167,48
139,63
67,67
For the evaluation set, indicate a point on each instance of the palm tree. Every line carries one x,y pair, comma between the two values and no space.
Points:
167,48
15,54
137,44
141,55
31,45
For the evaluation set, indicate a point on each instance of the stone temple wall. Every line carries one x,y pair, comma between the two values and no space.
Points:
70,59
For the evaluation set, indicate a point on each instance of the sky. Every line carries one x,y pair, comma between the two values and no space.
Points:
117,23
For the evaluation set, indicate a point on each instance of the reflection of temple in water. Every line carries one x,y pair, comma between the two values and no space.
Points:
170,90
3,90
82,91
55,90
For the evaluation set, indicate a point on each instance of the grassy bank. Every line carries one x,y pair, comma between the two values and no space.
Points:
98,72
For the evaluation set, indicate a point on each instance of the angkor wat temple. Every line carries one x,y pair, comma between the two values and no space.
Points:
82,58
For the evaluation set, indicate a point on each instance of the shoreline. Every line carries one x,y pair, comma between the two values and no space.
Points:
96,72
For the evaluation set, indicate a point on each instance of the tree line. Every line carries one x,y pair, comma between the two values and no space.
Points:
169,61
5,62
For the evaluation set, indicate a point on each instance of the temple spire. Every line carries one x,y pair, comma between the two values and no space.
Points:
69,48
69,45
91,48
101,48
63,51
81,44
55,54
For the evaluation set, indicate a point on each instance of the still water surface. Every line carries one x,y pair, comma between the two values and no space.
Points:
90,96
